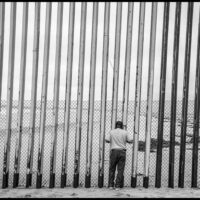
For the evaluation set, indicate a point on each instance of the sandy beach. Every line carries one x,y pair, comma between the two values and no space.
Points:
95,192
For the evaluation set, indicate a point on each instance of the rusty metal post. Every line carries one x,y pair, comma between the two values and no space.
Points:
150,94
162,94
44,96
116,64
2,18
174,95
56,95
138,86
91,96
185,94
33,95
68,94
196,116
103,94
127,64
80,95
6,160
21,96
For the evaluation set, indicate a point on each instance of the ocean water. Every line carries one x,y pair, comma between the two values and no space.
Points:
95,143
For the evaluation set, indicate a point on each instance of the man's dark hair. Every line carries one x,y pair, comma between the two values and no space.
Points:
119,124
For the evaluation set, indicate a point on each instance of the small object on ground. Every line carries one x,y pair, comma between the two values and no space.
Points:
117,189
111,188
73,194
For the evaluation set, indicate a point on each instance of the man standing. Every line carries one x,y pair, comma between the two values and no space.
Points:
117,139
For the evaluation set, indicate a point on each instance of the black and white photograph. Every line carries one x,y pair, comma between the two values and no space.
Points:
99,99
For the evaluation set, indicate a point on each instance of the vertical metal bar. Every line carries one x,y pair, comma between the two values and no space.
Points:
127,64
2,18
21,96
56,95
150,94
185,94
68,94
33,95
44,95
116,64
174,95
162,94
127,67
196,115
91,96
80,94
103,93
6,160
138,86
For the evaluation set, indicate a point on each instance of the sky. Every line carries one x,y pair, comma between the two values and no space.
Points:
100,49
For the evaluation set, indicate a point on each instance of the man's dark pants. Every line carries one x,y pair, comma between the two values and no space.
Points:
117,159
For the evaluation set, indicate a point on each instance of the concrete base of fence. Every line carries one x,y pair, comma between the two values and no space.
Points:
63,180
52,180
87,180
15,180
146,182
39,181
28,180
133,181
5,180
122,182
76,180
100,180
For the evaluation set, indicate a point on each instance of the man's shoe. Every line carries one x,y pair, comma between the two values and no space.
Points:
117,189
111,188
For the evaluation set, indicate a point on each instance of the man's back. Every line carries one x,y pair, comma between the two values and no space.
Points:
118,138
